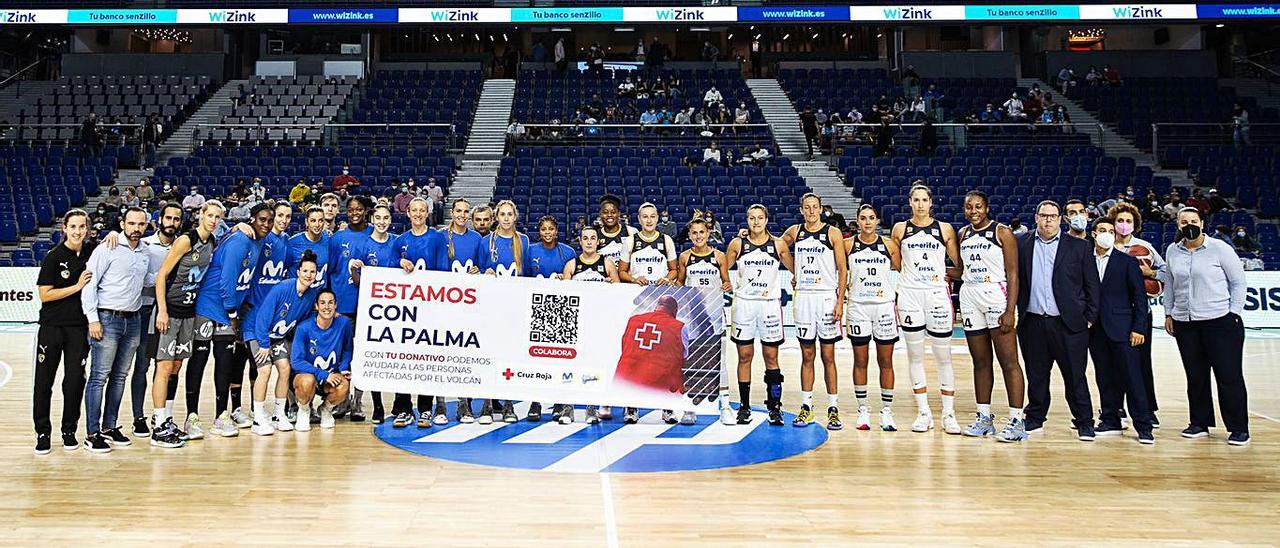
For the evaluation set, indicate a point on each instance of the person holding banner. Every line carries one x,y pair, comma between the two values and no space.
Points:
505,252
547,260
341,247
268,330
591,266
612,233
871,313
321,358
482,220
649,258
706,269
757,309
1128,226
421,248
821,271
378,249
461,246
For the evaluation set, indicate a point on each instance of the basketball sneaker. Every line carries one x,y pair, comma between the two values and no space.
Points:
115,437
441,414
291,406
886,420
833,419
462,413
689,417
744,414
281,422
535,412
327,420
424,418
606,413
630,415
864,418
669,416
983,426
167,435
727,417
509,412
923,422
566,414
1014,431
950,425
194,431
223,426
140,428
96,443
486,413
775,414
263,428
240,418
401,420
593,414
804,417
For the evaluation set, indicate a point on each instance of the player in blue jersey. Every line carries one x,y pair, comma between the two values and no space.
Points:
314,239
461,244
377,249
421,248
268,336
321,358
222,295
548,257
272,261
504,252
341,245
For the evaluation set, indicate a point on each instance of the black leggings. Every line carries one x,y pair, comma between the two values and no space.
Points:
68,345
228,360
195,374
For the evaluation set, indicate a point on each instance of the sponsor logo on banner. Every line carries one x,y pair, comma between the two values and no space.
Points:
677,15
1017,13
608,447
455,15
352,15
805,13
906,13
566,15
19,301
1138,11
232,16
1237,11
33,17
122,17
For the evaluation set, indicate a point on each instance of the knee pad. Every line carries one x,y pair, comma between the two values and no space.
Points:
946,372
773,376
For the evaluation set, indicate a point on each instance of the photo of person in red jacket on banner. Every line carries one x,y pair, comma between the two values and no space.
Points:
654,347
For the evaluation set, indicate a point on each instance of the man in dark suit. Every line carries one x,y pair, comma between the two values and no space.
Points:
1114,339
1058,303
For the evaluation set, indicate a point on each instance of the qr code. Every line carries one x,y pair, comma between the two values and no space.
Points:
553,319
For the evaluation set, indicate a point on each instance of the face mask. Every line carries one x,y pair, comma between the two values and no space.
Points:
1240,233
1079,223
1124,229
193,193
665,218
1105,240
1189,232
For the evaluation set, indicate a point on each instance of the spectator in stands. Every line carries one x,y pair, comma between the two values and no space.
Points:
1091,209
257,193
637,52
298,194
832,217
146,194
435,195
1110,75
1033,107
511,62
899,107
933,102
809,124
595,60
1223,232
684,117
627,89
712,98
928,138
854,116
762,156
1173,206
1199,202
1244,242
130,199
1240,126
1014,109
345,183
194,201
90,137
113,198
562,63
717,233
710,52
1093,77
742,115
151,136
1045,118
884,138
910,82
1106,205
711,155
882,108
401,203
239,213
1016,227
1066,78
675,89
1218,203
658,54
538,53
916,110
991,115
649,117
666,225
168,193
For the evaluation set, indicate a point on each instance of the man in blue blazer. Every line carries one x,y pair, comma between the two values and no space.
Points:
1057,304
1115,338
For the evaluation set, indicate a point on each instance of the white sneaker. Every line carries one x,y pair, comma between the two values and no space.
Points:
886,420
950,425
326,416
864,418
304,419
923,423
241,419
689,417
728,416
192,427
263,428
224,426
567,416
440,419
282,423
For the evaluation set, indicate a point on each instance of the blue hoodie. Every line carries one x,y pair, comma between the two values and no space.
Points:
272,266
319,352
276,316
226,283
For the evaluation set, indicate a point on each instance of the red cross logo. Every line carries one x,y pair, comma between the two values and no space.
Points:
508,374
648,335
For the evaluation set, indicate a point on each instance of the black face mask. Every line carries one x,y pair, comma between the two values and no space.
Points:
1190,232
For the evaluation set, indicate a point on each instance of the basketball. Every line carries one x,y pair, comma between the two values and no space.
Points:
1154,287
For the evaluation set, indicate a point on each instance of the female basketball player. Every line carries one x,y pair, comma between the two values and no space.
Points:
924,304
378,249
612,232
421,248
989,269
821,272
649,258
757,309
590,266
462,244
705,268
505,252
1128,225
269,334
870,314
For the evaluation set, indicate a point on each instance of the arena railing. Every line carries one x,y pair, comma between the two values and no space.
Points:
627,134
1166,135
960,135
327,134
112,134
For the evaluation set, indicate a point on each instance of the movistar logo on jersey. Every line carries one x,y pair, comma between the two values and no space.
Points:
650,446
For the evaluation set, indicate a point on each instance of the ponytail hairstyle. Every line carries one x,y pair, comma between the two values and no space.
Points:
516,254
449,230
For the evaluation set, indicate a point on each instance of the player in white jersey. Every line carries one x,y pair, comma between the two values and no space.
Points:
591,266
821,271
989,269
649,258
871,314
705,268
924,304
612,232
757,308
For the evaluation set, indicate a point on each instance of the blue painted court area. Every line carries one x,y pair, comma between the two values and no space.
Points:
610,446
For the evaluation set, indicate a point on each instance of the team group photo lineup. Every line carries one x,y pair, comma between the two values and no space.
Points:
638,273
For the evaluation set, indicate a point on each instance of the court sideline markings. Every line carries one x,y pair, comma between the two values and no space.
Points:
610,520
1272,419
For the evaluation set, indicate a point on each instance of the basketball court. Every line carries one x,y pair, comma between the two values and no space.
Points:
349,487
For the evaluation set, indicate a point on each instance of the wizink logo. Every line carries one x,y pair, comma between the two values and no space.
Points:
908,13
680,14
19,16
455,15
1138,12
232,16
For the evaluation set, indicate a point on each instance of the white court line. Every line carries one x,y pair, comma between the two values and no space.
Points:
1272,419
610,521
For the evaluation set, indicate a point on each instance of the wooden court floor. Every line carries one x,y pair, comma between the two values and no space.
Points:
345,487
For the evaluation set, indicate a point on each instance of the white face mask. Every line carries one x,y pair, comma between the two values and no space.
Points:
1106,240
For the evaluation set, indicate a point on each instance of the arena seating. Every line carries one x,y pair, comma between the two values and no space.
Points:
115,99
1247,173
39,183
1139,102
543,96
839,90
413,96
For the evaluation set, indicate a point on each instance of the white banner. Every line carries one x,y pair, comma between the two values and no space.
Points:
33,17
680,15
19,298
455,15
1137,11
906,13
1261,301
553,341
232,16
